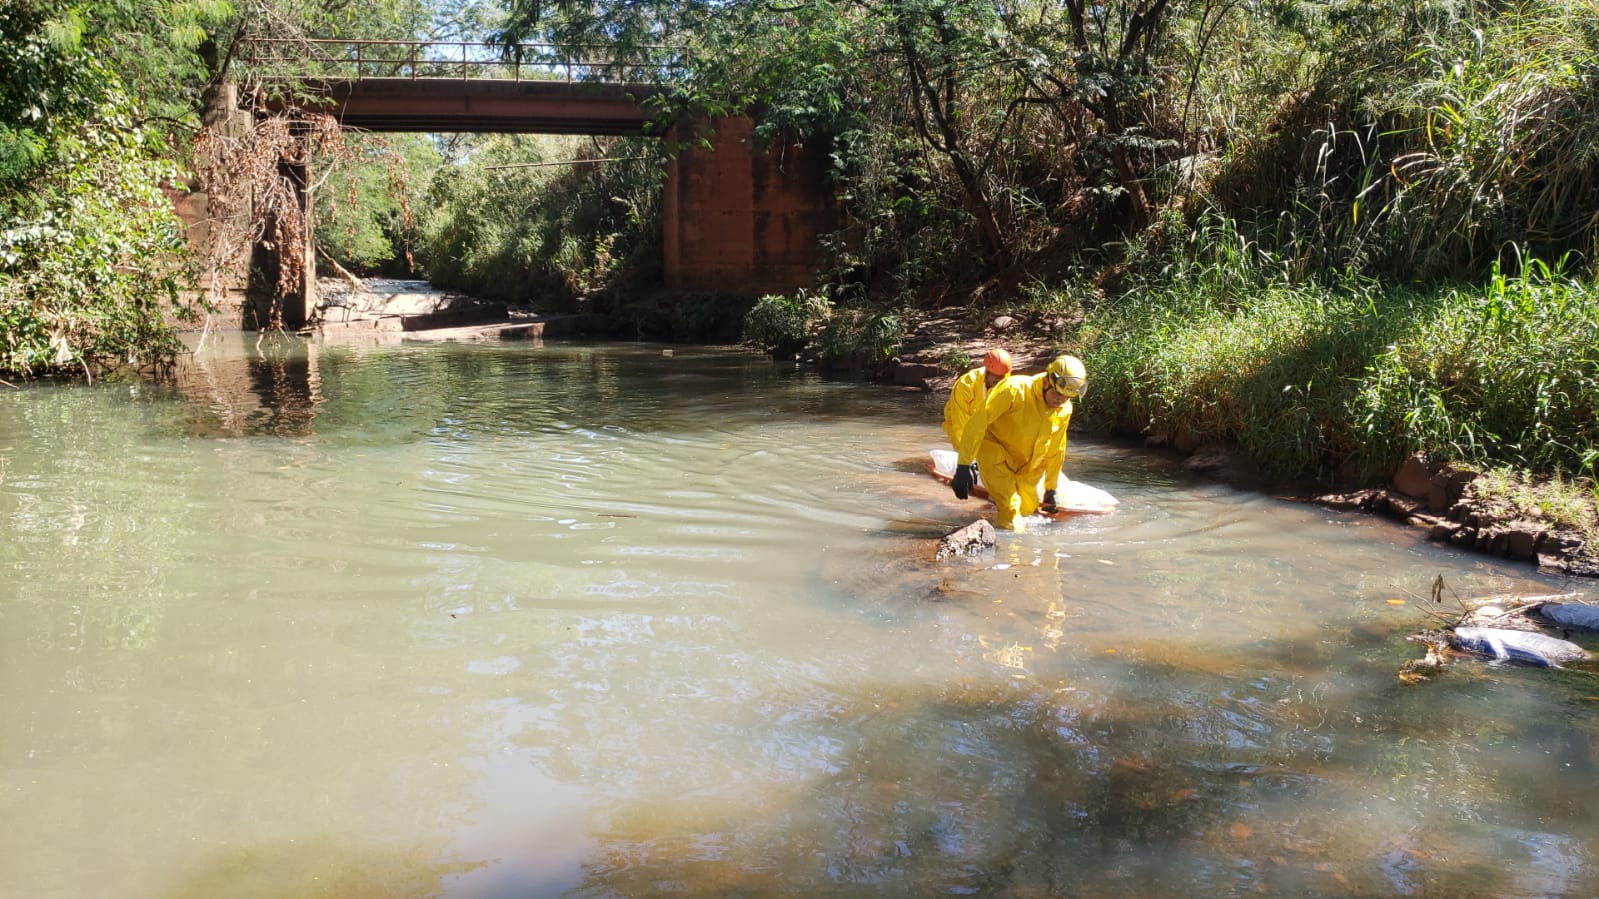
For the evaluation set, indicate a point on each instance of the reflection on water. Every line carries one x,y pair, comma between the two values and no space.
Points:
493,621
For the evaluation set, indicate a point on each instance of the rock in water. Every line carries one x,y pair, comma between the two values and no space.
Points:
967,541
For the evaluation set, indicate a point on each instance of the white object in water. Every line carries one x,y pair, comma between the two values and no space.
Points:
1070,495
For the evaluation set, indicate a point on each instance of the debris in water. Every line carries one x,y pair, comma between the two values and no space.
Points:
1504,629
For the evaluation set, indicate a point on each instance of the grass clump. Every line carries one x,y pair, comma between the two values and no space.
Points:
1274,370
1565,504
1507,373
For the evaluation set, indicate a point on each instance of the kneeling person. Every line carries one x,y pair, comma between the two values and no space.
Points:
1018,437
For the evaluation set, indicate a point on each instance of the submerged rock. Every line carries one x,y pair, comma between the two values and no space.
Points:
966,541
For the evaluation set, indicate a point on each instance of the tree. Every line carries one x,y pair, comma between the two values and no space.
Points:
88,242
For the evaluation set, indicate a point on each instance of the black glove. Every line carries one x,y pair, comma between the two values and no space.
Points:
964,476
1048,504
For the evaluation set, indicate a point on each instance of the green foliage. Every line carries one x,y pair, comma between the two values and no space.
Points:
782,325
44,88
1504,127
562,235
160,49
364,217
1272,372
860,337
88,241
1508,373
1348,378
1454,137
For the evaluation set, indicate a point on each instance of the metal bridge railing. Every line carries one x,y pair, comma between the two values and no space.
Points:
456,60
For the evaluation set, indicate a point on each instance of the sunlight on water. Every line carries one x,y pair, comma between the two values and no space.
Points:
487,621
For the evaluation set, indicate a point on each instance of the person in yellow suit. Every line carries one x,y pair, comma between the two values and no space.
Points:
966,395
1019,439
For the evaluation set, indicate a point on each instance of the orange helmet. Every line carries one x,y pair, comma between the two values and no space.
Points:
997,362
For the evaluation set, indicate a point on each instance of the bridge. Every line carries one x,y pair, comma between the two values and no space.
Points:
507,107
449,86
735,220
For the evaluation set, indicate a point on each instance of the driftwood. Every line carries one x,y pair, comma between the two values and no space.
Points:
967,541
356,284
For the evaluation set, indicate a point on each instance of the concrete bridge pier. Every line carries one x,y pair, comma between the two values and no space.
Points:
742,219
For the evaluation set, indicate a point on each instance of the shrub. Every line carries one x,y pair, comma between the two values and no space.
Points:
89,244
782,325
859,337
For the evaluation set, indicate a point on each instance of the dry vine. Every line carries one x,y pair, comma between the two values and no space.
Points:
254,195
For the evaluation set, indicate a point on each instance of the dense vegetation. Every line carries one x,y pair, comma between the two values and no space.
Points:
515,219
1332,233
82,215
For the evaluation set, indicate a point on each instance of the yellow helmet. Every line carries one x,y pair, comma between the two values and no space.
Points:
1068,376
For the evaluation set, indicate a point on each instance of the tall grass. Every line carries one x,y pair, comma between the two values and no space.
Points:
1505,373
1341,380
1502,127
1420,141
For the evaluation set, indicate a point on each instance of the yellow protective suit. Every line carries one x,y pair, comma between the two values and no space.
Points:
966,396
1017,440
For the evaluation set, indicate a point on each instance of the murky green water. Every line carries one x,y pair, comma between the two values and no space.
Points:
493,621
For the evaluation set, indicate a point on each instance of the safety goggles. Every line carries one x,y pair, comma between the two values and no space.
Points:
1067,385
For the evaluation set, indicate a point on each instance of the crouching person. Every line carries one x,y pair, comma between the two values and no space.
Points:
1018,436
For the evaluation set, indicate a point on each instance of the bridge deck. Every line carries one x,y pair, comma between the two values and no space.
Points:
446,105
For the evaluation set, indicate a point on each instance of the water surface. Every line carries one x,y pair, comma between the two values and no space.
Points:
618,619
